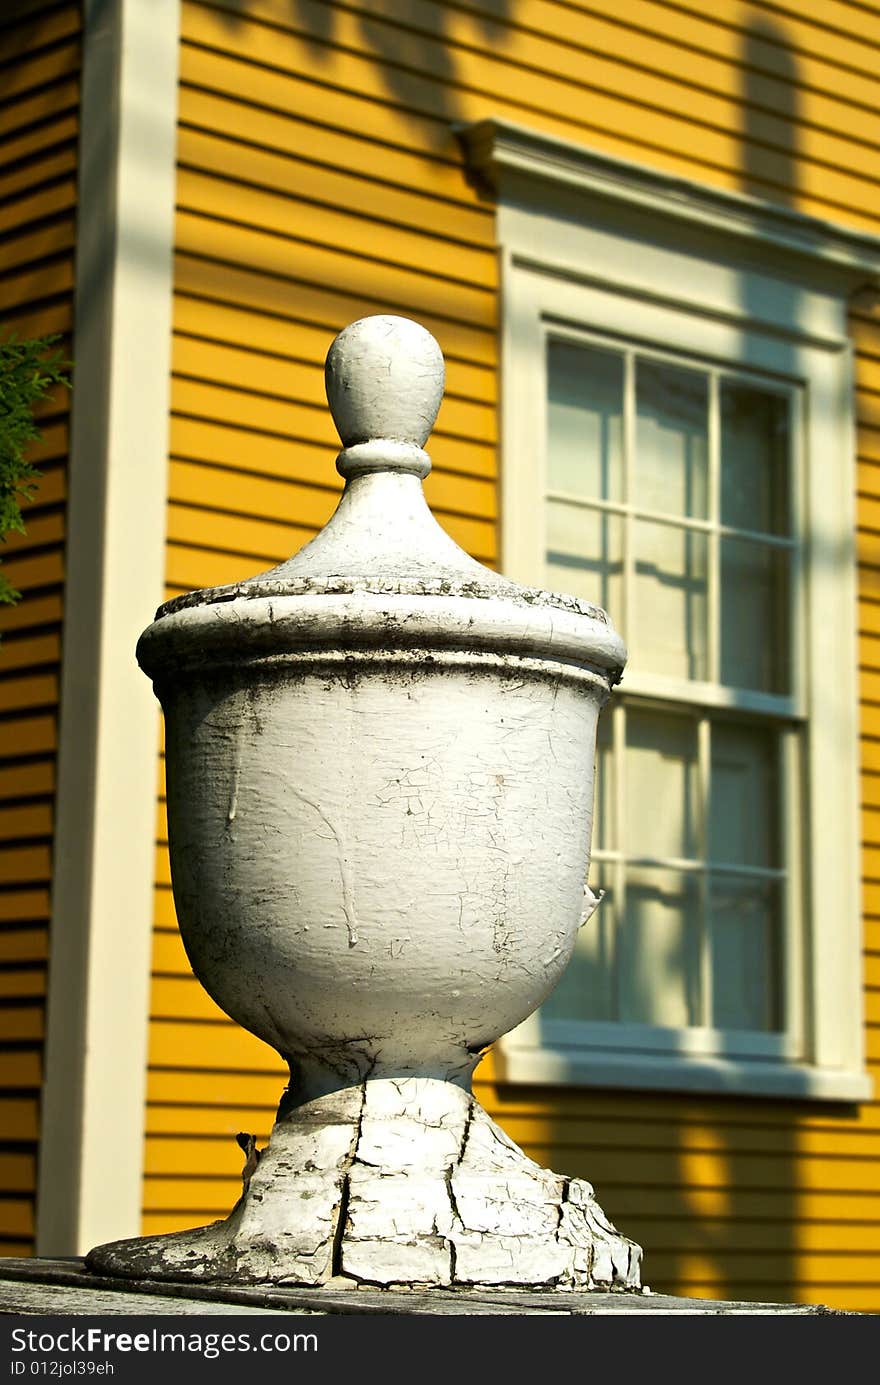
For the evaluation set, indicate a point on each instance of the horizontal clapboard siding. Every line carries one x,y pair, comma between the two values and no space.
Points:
39,94
319,180
721,99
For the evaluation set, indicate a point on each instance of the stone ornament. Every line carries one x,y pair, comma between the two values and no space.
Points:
380,780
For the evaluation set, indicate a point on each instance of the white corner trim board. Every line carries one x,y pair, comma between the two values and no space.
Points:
610,249
91,1145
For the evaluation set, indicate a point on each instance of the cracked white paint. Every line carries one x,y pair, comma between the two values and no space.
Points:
344,870
380,773
399,1181
374,908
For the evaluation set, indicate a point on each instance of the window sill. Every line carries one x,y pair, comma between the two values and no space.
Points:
713,1076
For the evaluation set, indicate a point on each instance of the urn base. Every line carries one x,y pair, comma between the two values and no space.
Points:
396,1181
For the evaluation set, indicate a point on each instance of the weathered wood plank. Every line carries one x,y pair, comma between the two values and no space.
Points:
46,1286
50,1299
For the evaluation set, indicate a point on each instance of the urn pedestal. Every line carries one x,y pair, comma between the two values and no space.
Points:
380,779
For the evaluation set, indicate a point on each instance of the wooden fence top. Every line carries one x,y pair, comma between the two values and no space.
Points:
65,1287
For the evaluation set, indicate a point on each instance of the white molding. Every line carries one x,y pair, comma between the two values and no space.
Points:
558,1067
497,149
92,1122
594,244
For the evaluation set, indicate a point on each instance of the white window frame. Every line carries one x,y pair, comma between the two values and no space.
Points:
595,244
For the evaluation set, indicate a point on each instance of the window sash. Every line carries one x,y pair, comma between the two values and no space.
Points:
695,697
616,856
789,702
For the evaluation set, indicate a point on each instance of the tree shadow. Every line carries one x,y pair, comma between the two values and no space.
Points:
770,135
412,43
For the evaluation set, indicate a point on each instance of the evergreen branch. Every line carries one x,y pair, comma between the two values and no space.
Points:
29,370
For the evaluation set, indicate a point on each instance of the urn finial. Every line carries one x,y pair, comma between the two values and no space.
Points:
384,378
379,760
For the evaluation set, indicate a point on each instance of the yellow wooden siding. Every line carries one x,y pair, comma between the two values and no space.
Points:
320,179
39,66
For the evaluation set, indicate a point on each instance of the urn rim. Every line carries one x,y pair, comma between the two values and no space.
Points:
243,628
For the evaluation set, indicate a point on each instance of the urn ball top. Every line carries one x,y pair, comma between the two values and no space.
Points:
384,377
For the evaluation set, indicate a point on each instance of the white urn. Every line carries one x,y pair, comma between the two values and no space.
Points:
379,763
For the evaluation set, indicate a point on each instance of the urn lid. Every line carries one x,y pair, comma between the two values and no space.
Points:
382,571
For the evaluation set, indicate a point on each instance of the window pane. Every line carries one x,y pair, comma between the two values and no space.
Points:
670,601
585,421
672,440
744,806
745,953
662,797
754,617
586,990
585,555
604,787
658,949
755,445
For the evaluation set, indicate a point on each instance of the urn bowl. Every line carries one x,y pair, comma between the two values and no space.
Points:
380,765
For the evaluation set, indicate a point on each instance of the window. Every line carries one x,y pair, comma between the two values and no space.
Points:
670,501
677,447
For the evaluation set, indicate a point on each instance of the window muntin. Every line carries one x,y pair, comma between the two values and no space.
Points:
670,489
669,502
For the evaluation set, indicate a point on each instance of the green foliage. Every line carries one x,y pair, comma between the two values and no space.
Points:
28,371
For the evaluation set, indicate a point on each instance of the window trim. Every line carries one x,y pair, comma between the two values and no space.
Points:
605,244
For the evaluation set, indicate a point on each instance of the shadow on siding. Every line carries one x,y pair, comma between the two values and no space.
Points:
413,43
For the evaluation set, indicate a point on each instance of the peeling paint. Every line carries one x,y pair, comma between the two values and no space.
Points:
404,1181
